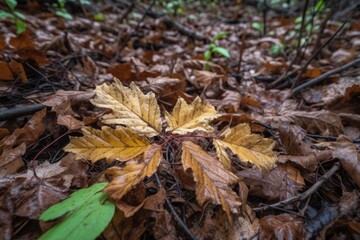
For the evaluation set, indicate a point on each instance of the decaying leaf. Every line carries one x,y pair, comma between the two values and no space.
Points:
107,143
187,118
130,107
248,147
124,179
213,181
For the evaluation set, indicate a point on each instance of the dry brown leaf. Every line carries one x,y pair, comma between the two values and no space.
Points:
294,140
124,179
282,227
120,143
189,118
70,122
324,122
213,181
205,78
130,107
248,147
309,162
346,151
230,102
11,161
200,65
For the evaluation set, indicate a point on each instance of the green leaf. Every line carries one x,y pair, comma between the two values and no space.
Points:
87,214
320,5
19,15
222,51
207,55
64,14
99,17
258,26
20,26
6,15
220,36
277,49
11,3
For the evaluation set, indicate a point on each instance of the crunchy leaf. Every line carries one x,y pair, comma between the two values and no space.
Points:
213,181
70,122
130,107
283,226
248,147
189,118
124,179
205,78
107,143
11,161
345,150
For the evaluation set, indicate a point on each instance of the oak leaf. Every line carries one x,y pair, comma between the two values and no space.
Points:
124,179
212,179
130,107
248,147
187,118
107,143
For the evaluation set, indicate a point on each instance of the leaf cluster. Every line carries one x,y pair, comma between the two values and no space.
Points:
14,15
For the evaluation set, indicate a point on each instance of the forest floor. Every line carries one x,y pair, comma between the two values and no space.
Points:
248,129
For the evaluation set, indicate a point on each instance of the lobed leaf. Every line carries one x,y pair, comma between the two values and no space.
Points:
130,107
212,179
248,147
124,179
107,143
189,118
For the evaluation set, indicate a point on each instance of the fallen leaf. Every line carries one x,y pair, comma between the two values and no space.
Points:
130,107
213,180
282,227
189,118
124,179
70,122
294,140
248,147
11,161
120,143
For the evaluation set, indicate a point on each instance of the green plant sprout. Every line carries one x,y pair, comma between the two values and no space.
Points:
86,213
61,11
213,48
18,17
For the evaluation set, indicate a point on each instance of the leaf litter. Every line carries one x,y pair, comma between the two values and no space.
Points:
189,148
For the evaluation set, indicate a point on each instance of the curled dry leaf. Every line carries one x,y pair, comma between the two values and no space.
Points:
124,179
346,151
206,78
212,179
324,122
130,107
248,147
70,122
11,161
294,140
280,183
189,118
107,143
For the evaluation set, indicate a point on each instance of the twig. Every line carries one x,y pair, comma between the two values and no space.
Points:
174,213
330,138
324,76
315,54
20,111
305,194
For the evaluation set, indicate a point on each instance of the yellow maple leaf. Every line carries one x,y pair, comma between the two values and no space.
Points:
130,107
248,147
129,176
107,143
212,179
189,118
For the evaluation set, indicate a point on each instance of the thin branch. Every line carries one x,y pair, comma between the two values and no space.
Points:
20,111
174,213
305,194
324,76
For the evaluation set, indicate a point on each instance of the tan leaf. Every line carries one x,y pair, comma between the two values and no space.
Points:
107,143
325,122
213,180
346,151
11,161
124,179
70,122
248,147
205,78
130,107
189,118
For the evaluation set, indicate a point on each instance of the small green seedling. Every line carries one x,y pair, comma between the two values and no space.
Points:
61,11
86,213
213,48
258,27
277,49
18,17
